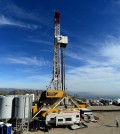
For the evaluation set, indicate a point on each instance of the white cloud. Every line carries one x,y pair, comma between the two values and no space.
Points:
113,54
6,21
100,74
74,55
100,80
40,41
9,8
26,61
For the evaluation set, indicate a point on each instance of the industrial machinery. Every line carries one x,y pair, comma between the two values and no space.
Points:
60,43
55,98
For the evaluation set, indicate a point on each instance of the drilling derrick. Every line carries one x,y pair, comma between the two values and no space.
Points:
56,81
60,42
52,101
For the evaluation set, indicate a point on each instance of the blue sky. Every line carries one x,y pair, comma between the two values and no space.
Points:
92,54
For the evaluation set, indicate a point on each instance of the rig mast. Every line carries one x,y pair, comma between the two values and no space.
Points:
60,42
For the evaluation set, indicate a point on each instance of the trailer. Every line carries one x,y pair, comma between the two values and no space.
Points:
66,118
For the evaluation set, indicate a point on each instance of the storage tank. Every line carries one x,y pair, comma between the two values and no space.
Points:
6,107
22,107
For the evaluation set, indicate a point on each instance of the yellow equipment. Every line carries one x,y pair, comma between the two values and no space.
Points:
53,104
54,93
34,110
82,105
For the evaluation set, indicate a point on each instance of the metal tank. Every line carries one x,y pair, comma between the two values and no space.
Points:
22,108
6,107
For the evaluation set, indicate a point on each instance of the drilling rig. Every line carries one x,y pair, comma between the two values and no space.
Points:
54,99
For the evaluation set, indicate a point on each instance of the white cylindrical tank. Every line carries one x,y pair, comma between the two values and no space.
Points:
33,97
6,107
22,107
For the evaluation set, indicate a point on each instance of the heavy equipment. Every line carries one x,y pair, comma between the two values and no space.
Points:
54,98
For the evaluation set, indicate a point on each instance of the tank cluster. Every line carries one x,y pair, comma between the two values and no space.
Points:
16,110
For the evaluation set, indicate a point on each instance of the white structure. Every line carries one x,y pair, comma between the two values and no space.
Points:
6,107
63,118
33,96
22,107
62,39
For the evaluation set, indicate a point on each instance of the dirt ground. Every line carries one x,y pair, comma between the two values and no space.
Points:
105,125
